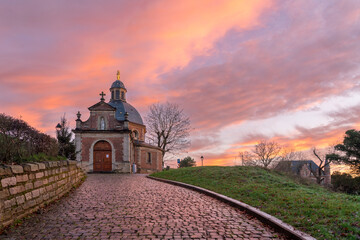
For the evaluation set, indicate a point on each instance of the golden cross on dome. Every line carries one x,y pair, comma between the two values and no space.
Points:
118,75
102,94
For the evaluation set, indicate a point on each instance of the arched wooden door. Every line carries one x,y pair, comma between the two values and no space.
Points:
102,157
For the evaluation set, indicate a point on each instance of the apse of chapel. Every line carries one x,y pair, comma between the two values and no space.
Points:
140,129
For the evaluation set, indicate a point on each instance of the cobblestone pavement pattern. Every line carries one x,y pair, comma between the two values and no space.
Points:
114,206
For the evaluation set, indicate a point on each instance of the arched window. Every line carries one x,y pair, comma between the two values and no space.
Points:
136,134
102,123
122,95
117,93
112,94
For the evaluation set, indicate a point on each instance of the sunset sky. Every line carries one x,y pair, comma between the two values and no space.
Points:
241,70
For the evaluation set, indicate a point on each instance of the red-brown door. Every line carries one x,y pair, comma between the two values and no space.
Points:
102,157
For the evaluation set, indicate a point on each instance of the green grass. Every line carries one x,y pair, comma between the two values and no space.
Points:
41,157
308,207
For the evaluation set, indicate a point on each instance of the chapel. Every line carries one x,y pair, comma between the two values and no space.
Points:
113,138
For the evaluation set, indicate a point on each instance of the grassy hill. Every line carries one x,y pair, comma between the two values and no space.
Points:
310,208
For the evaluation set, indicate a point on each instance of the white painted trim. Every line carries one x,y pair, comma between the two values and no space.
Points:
78,146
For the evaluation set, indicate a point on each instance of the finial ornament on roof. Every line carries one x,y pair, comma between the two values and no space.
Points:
102,94
118,75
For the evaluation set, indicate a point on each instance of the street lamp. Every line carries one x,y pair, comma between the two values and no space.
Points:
58,135
202,161
58,127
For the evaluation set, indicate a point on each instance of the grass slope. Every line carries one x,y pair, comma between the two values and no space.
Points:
308,207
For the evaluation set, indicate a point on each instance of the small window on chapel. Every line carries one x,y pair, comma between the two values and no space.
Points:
112,94
102,123
149,157
122,95
117,93
136,134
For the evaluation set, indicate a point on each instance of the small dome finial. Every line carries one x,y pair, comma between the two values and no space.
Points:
118,75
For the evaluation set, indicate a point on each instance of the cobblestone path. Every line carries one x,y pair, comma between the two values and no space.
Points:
114,206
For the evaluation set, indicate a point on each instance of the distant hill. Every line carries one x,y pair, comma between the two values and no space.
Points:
308,207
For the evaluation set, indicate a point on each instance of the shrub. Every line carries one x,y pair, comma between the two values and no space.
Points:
344,182
19,141
42,157
187,162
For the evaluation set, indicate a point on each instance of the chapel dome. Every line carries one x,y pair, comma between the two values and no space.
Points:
118,101
118,84
123,107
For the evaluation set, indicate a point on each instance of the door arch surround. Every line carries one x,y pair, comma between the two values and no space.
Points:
102,154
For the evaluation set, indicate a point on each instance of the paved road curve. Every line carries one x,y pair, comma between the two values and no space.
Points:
114,206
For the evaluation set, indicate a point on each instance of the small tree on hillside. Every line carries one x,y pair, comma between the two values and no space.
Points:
187,162
247,158
324,163
168,127
349,150
64,137
266,152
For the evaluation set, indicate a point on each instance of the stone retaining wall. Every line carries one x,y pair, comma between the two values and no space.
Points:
25,188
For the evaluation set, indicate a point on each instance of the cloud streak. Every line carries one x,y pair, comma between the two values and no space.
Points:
226,63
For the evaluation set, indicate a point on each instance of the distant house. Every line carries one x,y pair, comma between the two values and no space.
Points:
305,168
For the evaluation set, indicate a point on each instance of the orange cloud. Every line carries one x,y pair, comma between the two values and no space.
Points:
224,62
73,60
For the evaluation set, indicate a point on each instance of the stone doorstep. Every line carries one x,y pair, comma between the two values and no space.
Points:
262,216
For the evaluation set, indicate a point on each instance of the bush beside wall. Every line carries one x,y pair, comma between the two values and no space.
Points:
344,182
25,188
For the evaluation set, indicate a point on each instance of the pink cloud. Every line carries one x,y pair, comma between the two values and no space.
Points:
224,62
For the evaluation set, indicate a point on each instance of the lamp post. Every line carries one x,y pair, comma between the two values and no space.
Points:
58,135
202,161
58,127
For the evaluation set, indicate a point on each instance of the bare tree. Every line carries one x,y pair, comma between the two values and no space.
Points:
247,159
168,127
266,152
289,154
323,163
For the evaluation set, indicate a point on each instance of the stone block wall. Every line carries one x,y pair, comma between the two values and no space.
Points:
25,188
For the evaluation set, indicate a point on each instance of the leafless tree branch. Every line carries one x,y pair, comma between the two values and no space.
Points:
168,127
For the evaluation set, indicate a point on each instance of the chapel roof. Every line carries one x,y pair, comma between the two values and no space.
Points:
102,106
123,107
117,84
